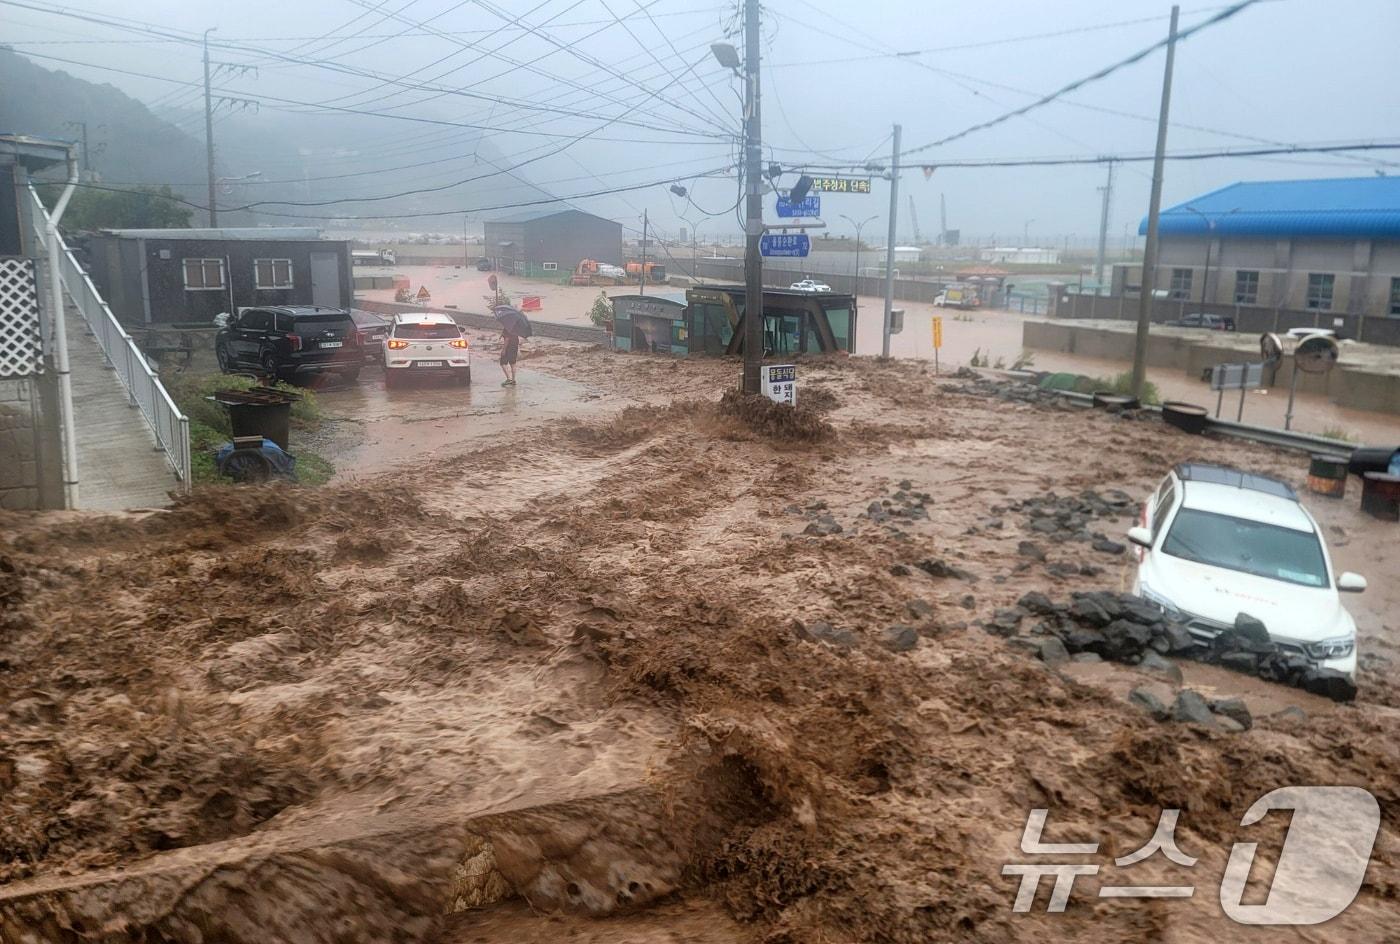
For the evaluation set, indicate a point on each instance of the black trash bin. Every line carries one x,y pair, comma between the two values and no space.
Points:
261,412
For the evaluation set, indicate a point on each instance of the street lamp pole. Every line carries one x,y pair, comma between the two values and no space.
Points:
855,295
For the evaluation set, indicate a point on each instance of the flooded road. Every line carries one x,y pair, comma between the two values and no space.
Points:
369,429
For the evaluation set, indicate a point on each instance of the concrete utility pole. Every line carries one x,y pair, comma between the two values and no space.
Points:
209,132
753,186
1099,260
643,289
1154,209
889,249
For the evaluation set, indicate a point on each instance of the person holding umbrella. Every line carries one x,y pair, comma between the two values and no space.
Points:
514,326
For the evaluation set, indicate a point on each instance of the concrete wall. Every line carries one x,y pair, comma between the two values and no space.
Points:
1350,385
780,273
544,329
19,431
1249,319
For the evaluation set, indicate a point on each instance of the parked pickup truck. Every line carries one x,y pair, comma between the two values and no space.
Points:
1198,319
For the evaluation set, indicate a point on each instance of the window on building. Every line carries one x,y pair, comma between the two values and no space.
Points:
1181,283
1395,296
272,273
1320,285
201,274
549,266
1246,287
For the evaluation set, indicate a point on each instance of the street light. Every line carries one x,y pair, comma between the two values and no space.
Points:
1026,234
726,55
225,181
1210,238
856,294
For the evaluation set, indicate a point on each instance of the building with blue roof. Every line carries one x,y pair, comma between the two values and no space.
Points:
1311,246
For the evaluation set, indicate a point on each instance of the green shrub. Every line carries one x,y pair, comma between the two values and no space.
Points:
191,391
210,429
601,314
1122,384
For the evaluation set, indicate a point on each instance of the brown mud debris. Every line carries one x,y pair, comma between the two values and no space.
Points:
563,670
801,423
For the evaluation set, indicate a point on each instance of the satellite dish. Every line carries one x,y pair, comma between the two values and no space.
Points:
1315,354
1271,348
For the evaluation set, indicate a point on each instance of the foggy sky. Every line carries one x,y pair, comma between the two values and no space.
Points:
1296,71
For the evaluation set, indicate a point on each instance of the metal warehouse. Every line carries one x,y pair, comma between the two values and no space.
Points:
187,276
1322,246
544,242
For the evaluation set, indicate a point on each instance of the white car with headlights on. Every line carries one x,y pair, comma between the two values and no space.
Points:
1217,542
426,343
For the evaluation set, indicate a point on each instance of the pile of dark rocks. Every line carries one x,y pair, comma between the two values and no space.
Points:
1124,628
821,522
1068,518
903,506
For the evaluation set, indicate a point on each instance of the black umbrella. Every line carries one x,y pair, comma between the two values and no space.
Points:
513,320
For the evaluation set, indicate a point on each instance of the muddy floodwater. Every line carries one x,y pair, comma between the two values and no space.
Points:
991,334
610,656
369,428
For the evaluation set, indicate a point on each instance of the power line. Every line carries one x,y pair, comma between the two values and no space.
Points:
273,101
333,36
152,29
884,52
1096,76
717,172
1335,148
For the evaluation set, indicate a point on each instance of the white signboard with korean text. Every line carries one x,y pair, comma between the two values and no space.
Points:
780,383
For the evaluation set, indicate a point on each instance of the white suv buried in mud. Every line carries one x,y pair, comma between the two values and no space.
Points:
426,343
1216,542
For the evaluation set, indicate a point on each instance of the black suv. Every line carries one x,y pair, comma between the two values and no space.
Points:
287,340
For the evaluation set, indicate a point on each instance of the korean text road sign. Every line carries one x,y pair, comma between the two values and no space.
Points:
785,244
811,205
840,184
937,332
780,383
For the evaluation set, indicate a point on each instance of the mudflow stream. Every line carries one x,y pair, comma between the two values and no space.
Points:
642,673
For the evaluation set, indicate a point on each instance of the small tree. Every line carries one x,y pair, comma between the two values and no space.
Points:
601,314
136,208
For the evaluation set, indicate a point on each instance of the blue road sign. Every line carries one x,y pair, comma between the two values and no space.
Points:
811,205
784,244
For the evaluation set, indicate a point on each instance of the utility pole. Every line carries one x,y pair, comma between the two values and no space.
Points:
889,249
643,289
209,132
1154,209
1107,189
86,165
753,186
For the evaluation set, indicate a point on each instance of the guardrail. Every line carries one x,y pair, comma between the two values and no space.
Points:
1268,435
142,383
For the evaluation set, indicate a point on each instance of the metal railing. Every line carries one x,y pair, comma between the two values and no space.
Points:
142,383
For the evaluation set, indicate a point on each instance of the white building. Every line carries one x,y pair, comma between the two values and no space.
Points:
1019,254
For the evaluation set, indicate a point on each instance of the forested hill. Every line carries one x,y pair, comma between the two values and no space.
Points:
129,143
